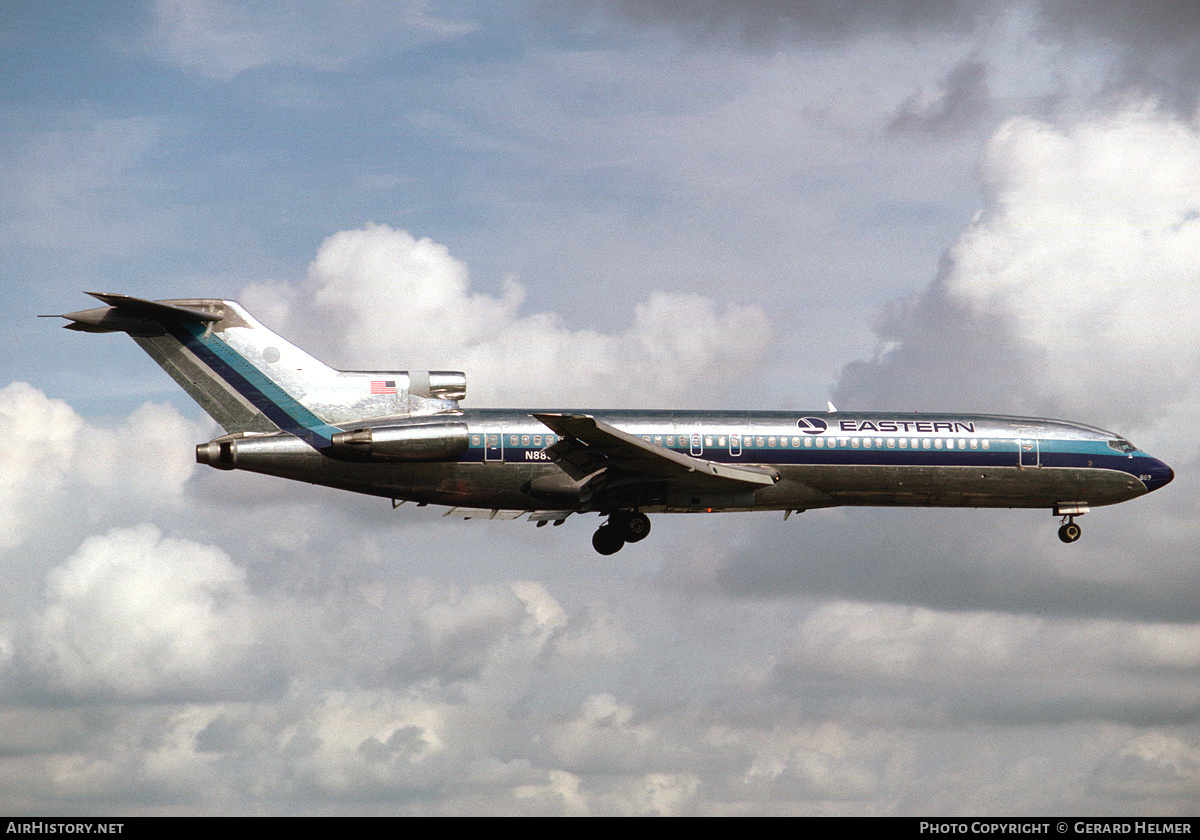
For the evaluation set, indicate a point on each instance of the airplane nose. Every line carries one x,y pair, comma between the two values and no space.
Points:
1160,475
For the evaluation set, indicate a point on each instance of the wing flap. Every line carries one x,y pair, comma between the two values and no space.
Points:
484,513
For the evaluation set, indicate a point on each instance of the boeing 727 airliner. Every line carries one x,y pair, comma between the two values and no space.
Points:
402,435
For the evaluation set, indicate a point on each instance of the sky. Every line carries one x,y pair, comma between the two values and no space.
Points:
897,206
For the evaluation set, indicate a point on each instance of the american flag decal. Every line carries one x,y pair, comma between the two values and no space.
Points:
383,386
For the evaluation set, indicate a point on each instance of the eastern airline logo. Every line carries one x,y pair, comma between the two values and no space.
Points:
812,425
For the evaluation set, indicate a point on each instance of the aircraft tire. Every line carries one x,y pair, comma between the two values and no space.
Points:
636,527
1070,532
607,540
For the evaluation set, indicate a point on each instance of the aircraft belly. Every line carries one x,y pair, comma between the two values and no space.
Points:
1008,487
464,485
453,484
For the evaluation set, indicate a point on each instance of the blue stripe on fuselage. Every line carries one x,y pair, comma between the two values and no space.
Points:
1054,453
280,408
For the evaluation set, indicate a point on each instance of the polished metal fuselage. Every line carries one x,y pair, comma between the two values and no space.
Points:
822,459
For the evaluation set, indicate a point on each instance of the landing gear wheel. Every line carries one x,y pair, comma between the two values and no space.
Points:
1069,532
607,540
636,527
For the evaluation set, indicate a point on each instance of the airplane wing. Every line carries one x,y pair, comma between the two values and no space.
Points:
589,445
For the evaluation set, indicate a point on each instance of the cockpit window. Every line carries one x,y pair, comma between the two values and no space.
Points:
1122,445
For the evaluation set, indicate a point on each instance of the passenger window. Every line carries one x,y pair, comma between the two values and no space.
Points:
537,440
904,443
708,441
937,444
512,440
925,443
808,442
475,440
866,443
658,440
985,444
891,443
758,441
854,442
820,442
879,443
524,440
721,441
974,443
670,440
771,442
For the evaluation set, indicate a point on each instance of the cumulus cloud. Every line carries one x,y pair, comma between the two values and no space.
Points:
379,298
137,614
56,461
1074,291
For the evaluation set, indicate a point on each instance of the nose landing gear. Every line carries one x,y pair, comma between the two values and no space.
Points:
621,527
1069,532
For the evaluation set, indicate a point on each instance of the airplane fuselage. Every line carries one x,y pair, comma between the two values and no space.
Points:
822,459
403,435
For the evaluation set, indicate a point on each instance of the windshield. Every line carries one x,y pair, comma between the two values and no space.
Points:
1122,445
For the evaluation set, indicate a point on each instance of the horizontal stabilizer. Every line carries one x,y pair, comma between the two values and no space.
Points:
133,315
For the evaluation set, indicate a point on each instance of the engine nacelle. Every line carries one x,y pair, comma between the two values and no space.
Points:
439,384
409,442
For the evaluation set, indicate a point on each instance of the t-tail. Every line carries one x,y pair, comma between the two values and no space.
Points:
253,382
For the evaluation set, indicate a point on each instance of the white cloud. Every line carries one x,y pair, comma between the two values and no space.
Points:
1073,292
379,298
55,461
1092,240
137,614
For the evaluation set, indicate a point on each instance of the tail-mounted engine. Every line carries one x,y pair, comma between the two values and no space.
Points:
433,441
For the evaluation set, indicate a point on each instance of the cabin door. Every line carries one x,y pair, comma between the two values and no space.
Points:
1028,453
493,445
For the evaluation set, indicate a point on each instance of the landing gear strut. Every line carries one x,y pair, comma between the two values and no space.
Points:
621,527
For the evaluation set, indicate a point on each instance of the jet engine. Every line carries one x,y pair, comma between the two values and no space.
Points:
408,442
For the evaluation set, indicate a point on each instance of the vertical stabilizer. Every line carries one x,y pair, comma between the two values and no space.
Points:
252,381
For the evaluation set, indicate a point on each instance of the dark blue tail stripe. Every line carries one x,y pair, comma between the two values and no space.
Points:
259,390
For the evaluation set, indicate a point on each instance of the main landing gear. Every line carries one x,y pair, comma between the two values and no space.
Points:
621,527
